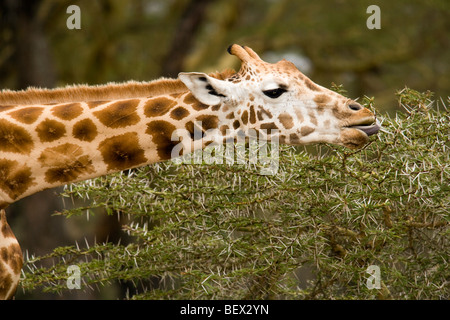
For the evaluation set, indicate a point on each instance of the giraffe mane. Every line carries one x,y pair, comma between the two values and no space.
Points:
110,91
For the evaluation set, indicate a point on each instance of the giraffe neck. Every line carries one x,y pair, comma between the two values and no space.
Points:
11,259
45,146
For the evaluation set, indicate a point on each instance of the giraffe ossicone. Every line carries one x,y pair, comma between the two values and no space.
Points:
51,137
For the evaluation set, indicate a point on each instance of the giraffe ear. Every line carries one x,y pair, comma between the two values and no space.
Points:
206,89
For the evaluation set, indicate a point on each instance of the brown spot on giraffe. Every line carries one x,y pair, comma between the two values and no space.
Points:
7,283
299,115
244,117
223,129
312,117
286,120
11,260
158,106
282,139
12,256
300,76
311,85
67,111
14,138
161,132
323,102
5,108
194,130
197,105
230,115
208,121
50,130
252,115
190,128
15,178
270,127
67,163
5,230
27,115
338,113
322,99
261,111
85,130
120,114
294,138
305,130
94,104
179,113
122,151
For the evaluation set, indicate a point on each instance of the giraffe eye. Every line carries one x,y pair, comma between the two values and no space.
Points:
274,93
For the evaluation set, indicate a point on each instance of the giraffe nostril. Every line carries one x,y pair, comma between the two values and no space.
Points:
355,106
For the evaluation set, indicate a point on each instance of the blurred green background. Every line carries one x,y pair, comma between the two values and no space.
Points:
146,39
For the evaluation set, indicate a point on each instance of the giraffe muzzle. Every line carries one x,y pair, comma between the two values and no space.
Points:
368,129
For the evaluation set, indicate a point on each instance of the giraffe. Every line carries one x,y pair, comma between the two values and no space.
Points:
52,137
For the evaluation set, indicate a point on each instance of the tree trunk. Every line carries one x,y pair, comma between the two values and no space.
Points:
183,39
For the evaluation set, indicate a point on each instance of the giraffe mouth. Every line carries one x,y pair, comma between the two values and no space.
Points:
369,129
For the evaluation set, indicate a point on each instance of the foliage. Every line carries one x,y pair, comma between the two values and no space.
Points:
308,232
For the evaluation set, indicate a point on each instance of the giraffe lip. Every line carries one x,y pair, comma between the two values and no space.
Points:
369,129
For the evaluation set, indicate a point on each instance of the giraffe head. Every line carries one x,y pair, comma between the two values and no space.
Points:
278,100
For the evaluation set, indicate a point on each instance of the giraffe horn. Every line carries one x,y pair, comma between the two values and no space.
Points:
245,54
252,53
